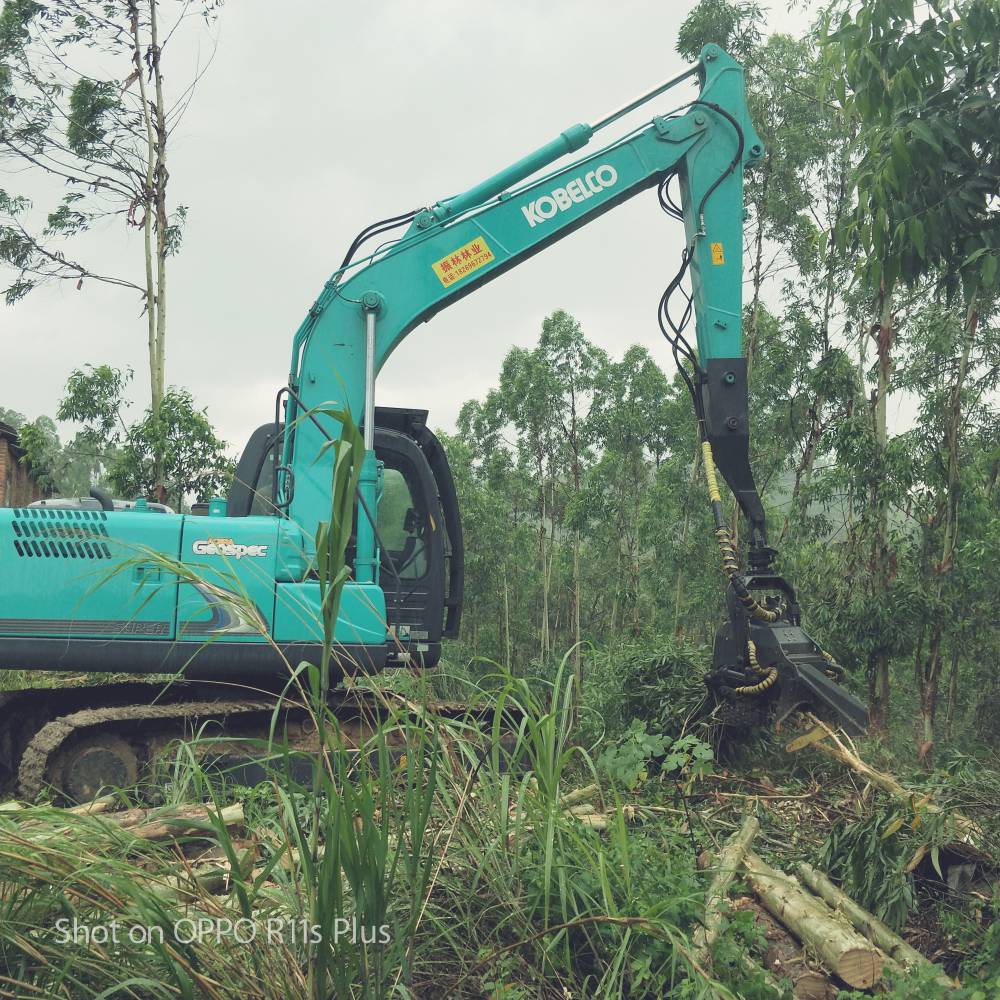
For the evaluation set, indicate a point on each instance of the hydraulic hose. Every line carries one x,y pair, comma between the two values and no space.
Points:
768,675
726,545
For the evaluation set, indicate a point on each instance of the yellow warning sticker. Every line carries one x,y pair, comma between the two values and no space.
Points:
717,255
462,262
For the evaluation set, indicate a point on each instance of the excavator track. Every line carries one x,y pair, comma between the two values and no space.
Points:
55,737
25,710
89,739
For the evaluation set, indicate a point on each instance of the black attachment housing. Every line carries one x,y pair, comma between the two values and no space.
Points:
806,678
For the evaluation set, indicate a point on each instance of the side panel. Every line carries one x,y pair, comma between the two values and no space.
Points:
235,556
362,619
87,574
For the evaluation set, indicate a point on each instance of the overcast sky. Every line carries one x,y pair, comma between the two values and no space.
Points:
316,118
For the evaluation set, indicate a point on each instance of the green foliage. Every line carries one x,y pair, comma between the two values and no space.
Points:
922,88
194,458
656,681
625,761
869,856
95,397
40,440
735,27
91,103
11,418
923,983
72,109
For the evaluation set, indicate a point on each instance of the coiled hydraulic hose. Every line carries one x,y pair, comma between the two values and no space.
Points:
726,545
833,669
768,675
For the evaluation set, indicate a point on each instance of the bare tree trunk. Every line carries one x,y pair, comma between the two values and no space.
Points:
577,487
929,684
509,662
543,627
753,323
635,556
154,222
949,721
878,675
148,200
929,676
162,223
679,586
757,270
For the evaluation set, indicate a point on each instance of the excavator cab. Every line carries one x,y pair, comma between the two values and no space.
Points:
418,527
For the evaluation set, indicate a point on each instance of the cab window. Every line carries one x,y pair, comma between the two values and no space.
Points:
403,523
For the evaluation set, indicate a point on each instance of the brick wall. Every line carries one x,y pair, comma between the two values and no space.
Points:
4,466
17,488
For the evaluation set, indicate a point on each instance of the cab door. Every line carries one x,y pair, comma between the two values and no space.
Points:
411,538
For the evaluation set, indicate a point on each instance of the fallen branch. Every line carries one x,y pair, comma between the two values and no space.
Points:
202,880
826,741
841,949
596,821
94,806
176,822
579,795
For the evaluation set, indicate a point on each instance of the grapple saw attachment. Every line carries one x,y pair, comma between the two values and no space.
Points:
776,665
762,657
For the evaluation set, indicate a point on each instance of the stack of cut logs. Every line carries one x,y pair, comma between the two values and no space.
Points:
844,942
841,942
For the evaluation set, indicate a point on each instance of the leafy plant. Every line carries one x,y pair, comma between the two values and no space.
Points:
627,760
869,857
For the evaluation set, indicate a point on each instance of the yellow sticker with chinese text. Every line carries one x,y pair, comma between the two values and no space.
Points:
717,255
462,262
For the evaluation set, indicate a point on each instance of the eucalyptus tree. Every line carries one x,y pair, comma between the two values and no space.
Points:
574,364
178,449
921,83
632,431
526,399
950,504
86,119
496,498
176,453
543,396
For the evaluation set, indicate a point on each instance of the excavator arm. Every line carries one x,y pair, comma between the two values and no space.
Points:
452,248
456,246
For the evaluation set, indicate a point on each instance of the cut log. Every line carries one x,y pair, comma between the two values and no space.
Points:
730,861
784,958
841,948
94,806
179,822
808,984
579,795
869,925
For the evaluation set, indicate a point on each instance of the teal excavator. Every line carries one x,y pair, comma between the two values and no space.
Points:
74,595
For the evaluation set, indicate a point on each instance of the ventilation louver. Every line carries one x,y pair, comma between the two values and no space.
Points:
43,533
